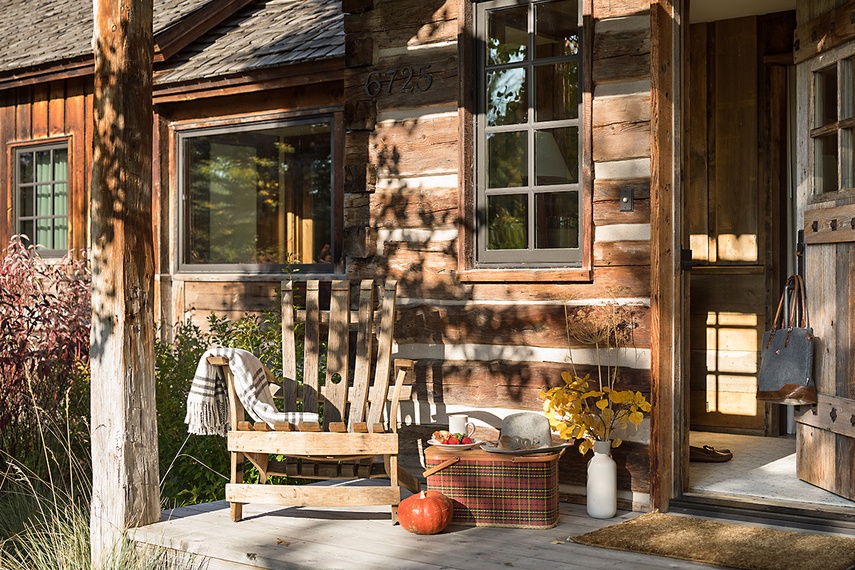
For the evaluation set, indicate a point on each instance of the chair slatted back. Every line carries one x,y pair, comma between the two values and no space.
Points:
311,347
364,353
383,363
347,399
338,348
289,349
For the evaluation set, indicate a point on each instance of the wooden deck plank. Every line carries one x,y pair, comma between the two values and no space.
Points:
307,543
275,537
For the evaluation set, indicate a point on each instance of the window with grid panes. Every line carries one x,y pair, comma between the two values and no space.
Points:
41,196
528,133
833,121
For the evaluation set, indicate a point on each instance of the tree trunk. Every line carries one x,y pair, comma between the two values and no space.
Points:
125,489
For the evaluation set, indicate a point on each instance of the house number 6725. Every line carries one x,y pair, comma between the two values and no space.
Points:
408,79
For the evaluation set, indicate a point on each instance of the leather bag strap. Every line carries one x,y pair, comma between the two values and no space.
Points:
798,305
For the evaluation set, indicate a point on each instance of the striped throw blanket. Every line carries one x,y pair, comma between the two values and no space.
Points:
207,403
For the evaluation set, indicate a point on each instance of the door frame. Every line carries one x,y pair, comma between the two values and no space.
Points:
672,448
666,88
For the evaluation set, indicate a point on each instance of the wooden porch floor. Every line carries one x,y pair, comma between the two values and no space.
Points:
330,538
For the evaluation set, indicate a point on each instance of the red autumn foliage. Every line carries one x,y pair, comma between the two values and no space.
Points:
44,329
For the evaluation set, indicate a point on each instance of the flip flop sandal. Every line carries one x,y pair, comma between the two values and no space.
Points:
709,454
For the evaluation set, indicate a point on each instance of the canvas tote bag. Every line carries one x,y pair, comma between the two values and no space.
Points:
786,368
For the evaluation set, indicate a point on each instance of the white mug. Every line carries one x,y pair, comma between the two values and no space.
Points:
461,424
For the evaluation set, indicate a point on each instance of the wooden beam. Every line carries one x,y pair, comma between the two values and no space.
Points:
829,30
831,413
664,305
53,72
586,182
191,27
300,74
779,58
313,443
309,495
830,225
514,275
125,477
620,8
7,133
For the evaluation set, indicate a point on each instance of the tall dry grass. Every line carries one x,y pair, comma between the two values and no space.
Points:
44,516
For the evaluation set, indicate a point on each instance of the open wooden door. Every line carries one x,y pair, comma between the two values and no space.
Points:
825,433
826,177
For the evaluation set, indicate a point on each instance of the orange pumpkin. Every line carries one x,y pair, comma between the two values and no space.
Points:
427,512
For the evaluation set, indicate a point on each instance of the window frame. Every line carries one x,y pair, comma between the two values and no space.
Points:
192,129
842,127
476,262
36,146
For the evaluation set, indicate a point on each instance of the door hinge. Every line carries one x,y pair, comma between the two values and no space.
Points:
686,259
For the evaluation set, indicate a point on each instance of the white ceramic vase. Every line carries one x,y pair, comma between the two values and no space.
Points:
602,482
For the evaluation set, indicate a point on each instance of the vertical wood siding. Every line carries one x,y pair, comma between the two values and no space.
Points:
50,111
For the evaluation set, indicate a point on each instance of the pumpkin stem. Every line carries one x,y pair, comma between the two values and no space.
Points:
422,494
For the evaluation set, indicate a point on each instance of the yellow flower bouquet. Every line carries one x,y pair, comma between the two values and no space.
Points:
579,411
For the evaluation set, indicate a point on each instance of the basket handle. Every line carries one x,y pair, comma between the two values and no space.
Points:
441,466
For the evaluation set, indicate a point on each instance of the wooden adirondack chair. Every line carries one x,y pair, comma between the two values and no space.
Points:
352,434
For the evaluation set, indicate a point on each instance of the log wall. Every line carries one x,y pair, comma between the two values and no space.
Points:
489,343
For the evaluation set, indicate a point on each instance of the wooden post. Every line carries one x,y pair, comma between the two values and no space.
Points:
125,489
665,303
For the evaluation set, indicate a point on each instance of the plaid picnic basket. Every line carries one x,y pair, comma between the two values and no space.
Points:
488,489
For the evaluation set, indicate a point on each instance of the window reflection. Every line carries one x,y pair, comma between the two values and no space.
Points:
507,219
556,220
556,156
557,88
259,196
507,36
507,97
825,163
507,160
528,149
557,29
825,93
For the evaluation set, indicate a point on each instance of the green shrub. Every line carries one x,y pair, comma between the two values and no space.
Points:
192,468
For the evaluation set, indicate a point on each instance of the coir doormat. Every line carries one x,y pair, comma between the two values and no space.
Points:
725,544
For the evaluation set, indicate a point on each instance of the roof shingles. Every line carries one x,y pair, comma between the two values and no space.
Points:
267,33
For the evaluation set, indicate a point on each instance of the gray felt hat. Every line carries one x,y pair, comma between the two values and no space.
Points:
528,426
